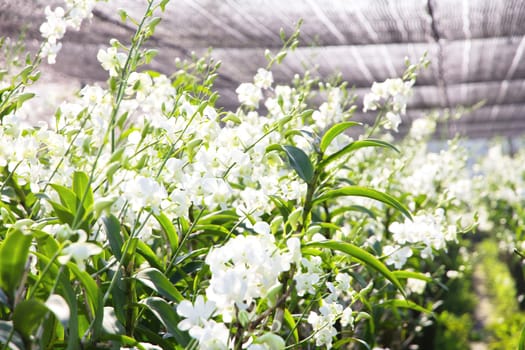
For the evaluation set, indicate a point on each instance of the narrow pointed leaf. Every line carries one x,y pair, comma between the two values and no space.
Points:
355,146
364,192
288,318
405,304
147,253
94,296
112,226
521,344
361,255
169,230
333,132
412,274
167,316
154,279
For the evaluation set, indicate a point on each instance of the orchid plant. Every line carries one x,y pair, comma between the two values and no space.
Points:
142,216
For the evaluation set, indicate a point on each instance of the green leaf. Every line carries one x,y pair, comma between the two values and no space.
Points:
20,99
355,146
339,344
154,279
288,318
28,315
521,344
145,251
163,4
167,316
299,161
411,274
64,214
73,341
67,197
358,208
364,192
94,297
333,132
361,255
65,286
82,187
405,304
112,226
169,230
212,228
7,331
14,253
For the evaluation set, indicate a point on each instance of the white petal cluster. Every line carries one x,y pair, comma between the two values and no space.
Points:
306,280
263,78
249,94
392,94
195,314
397,255
430,231
58,21
142,192
242,270
111,60
212,336
331,310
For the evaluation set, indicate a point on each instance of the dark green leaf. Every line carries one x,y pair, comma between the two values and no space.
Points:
64,214
73,339
361,255
14,252
94,296
145,251
28,315
364,192
112,226
298,160
167,316
333,132
154,279
300,163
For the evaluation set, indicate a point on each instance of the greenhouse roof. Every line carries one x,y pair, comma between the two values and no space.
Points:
476,47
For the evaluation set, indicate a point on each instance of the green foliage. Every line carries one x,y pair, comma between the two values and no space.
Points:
453,331
119,243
